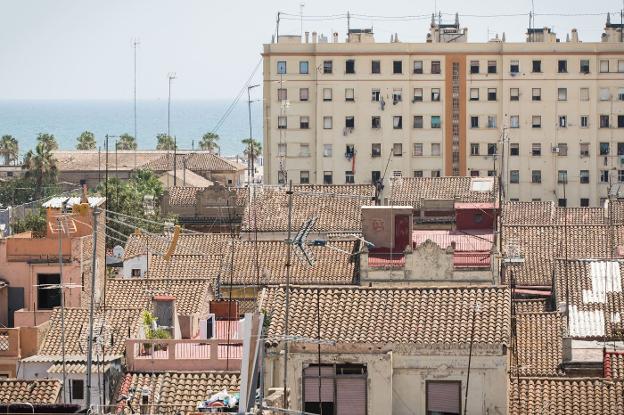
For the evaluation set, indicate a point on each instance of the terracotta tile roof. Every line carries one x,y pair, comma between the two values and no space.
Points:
184,178
192,295
392,315
411,191
331,267
565,396
79,367
117,322
45,391
539,344
530,306
334,211
183,195
176,391
89,160
547,213
184,266
614,365
188,244
197,162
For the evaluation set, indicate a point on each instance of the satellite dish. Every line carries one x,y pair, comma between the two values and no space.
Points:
118,251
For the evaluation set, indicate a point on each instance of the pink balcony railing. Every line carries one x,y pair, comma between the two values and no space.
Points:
9,343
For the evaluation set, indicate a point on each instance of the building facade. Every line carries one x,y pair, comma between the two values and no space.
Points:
545,115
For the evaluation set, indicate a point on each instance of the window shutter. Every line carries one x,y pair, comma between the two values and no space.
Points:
443,397
351,395
311,384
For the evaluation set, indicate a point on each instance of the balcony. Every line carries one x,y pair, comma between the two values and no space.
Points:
10,343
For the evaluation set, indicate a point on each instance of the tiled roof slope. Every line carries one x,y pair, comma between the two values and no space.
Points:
530,306
199,161
188,244
614,365
184,266
336,207
44,391
547,213
331,267
183,195
117,322
192,295
392,315
539,344
411,191
89,160
565,396
171,392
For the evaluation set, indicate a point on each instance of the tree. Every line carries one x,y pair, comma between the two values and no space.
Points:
165,142
48,140
126,142
9,148
40,165
37,223
86,141
253,148
209,142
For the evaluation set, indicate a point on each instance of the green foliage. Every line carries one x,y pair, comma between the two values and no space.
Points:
36,223
48,140
209,142
9,149
86,141
126,142
149,322
40,166
252,147
165,142
20,190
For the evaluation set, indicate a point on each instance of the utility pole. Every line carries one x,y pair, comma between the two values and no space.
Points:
60,235
135,43
301,6
106,182
91,306
171,77
288,259
250,159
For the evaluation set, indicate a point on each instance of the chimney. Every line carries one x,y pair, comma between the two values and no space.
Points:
335,37
83,197
307,37
575,36
314,34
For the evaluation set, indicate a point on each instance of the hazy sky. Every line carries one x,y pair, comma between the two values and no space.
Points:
77,49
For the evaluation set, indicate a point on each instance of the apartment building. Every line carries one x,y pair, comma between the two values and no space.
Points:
546,115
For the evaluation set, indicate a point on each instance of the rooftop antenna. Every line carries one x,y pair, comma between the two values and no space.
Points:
348,22
301,6
135,43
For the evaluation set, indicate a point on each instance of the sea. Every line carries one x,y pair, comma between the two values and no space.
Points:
190,119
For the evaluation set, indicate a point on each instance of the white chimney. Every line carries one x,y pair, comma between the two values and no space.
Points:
307,37
575,36
335,37
314,34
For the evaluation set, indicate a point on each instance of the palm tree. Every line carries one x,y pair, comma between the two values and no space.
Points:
209,142
86,141
40,165
48,140
165,142
253,148
126,142
9,149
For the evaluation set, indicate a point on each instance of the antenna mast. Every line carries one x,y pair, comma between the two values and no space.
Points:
135,43
288,253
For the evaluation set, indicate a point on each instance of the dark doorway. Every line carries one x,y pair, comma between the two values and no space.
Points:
48,298
16,302
401,232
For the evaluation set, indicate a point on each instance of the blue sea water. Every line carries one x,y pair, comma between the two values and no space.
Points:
66,119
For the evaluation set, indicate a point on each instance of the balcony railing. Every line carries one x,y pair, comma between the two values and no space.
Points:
9,343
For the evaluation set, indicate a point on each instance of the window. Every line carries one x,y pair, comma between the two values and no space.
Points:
621,66
435,149
620,122
349,121
281,67
435,173
397,67
491,149
328,67
562,202
77,389
620,149
604,149
514,94
584,94
585,66
304,177
563,121
621,94
375,94
536,176
514,121
304,122
435,121
514,149
327,94
304,150
514,67
604,121
514,176
282,94
537,66
349,95
584,176
376,66
491,66
47,297
397,122
443,397
282,122
418,121
136,272
604,94
435,67
349,177
376,150
328,122
418,173
562,66
491,121
418,149
418,95
375,122
435,94
474,149
562,94
562,149
491,94
584,121
350,66
584,202
536,94
536,149
584,152
474,173
562,176
604,66
281,149
327,150
604,176
375,176
304,94
474,94
474,66
328,177
474,121
397,95
620,176
303,67
536,121
397,150
418,67
491,173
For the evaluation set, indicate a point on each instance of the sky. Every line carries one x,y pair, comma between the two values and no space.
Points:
82,49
